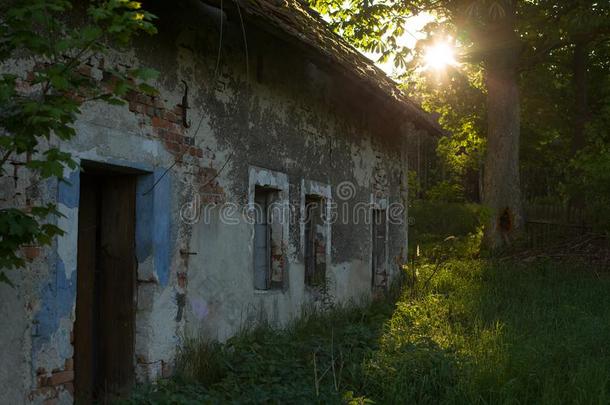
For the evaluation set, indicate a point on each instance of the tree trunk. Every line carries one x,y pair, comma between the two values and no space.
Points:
502,190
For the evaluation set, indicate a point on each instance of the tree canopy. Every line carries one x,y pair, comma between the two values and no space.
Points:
532,79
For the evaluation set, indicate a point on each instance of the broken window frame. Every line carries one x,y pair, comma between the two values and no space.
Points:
264,198
322,192
379,232
314,254
277,219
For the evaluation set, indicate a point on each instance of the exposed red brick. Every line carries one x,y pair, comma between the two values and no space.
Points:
167,135
158,122
31,252
131,96
144,99
85,70
137,108
175,137
171,117
152,111
62,377
108,81
173,147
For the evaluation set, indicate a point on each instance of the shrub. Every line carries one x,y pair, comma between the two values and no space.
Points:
446,191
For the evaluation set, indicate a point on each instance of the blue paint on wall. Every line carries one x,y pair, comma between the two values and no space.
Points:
162,231
68,191
57,293
144,217
58,296
153,225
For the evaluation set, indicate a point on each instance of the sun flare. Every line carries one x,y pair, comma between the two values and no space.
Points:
439,56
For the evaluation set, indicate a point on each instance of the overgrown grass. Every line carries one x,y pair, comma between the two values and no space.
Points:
480,332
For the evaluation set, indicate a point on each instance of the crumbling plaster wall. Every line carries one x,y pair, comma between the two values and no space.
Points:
277,110
288,115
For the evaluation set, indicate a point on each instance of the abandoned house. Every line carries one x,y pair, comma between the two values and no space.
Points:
269,173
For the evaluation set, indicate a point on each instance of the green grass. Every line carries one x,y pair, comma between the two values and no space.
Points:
479,333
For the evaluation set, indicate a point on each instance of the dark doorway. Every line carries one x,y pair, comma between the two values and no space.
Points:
105,303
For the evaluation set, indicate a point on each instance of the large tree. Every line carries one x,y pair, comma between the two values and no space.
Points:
501,39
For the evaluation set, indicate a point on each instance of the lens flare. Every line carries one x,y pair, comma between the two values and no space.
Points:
439,56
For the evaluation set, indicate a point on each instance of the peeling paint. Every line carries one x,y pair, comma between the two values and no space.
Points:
300,130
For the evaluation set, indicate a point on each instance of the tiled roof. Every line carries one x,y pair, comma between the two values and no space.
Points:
297,23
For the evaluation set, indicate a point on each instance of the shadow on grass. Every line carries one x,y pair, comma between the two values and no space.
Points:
316,359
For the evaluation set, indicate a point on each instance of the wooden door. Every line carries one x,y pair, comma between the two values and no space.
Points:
85,334
105,306
117,287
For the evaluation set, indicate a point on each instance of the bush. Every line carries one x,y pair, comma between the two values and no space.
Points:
446,191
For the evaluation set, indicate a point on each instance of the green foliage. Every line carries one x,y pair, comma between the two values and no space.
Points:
446,191
480,332
48,106
202,361
591,179
498,333
413,183
433,221
20,229
547,34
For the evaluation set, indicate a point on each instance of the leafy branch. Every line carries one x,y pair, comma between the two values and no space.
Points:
42,107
